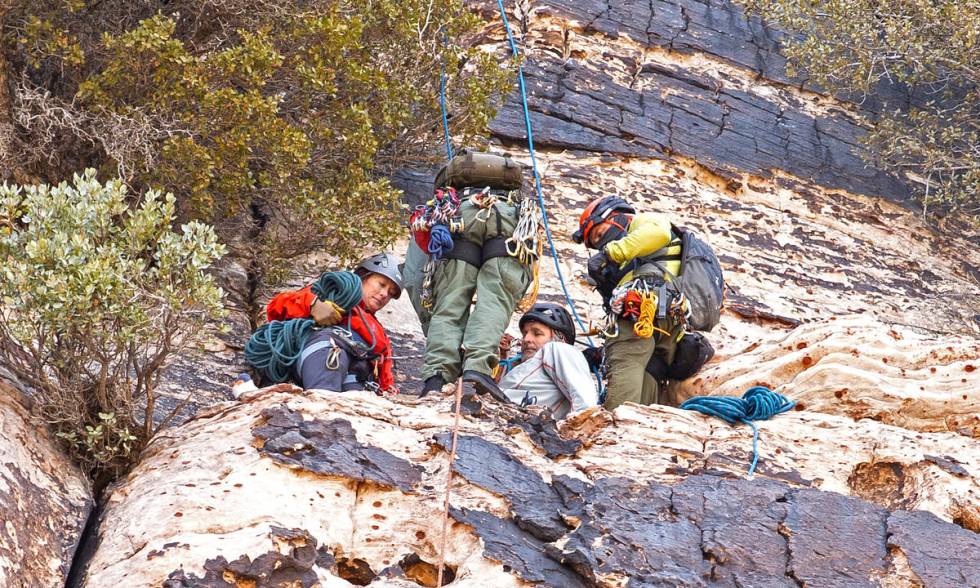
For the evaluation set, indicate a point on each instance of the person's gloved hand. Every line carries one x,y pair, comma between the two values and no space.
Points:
598,265
325,313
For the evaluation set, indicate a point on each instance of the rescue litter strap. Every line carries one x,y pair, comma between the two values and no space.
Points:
757,404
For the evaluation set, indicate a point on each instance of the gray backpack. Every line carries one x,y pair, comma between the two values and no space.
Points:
701,279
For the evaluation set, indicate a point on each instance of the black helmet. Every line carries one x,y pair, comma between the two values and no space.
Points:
553,316
383,264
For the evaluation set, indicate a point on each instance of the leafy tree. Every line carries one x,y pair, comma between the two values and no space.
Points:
931,47
96,293
277,121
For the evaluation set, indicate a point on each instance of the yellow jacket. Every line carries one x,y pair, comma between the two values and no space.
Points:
647,233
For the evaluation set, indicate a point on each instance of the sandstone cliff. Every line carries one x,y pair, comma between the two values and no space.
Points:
312,487
840,296
44,500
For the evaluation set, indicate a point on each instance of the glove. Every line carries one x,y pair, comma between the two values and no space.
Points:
325,313
598,266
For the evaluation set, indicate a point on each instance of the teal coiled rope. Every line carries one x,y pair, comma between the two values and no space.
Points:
759,403
276,346
341,288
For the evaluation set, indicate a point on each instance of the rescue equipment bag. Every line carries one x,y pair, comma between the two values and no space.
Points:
477,169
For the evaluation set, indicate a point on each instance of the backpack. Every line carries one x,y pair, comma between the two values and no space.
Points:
475,169
700,279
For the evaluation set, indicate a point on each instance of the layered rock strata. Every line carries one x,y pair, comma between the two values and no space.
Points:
326,489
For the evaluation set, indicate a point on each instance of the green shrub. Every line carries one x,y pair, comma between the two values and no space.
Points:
274,121
97,292
931,47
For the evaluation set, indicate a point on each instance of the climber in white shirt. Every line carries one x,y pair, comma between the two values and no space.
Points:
549,371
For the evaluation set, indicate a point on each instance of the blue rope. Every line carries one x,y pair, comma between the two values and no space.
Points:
537,183
442,95
341,288
276,346
758,404
440,241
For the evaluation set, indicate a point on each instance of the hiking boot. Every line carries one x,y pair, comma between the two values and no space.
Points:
484,384
432,384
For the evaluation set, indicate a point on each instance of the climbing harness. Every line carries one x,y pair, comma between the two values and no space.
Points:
758,403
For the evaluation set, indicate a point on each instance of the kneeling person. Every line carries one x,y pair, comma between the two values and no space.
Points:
550,371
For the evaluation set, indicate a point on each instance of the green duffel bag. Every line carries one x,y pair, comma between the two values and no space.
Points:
476,169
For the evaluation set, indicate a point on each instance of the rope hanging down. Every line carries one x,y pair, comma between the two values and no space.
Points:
537,186
442,95
758,404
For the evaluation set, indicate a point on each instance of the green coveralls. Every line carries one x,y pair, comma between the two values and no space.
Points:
459,338
412,276
627,354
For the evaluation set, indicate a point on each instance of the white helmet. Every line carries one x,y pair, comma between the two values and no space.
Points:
383,264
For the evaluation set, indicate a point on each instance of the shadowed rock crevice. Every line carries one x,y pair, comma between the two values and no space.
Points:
330,447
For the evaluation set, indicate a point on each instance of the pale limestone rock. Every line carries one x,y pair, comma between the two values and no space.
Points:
44,500
857,368
205,490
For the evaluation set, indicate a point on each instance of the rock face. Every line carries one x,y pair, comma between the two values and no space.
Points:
838,296
326,489
44,501
861,370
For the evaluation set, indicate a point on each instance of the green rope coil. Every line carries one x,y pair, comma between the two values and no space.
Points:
276,346
341,288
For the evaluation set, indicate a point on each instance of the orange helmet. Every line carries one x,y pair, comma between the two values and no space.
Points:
597,212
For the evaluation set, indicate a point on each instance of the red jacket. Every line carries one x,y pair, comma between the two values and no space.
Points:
296,304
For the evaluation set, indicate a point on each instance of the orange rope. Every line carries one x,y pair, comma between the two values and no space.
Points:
449,481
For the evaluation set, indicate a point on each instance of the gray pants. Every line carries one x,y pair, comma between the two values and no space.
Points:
325,365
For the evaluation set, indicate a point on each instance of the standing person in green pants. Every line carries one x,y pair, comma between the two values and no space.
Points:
638,254
463,335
